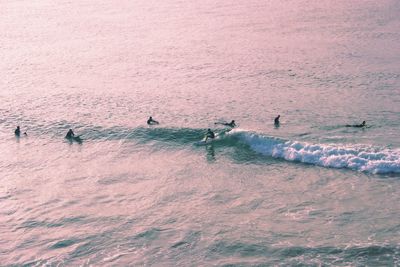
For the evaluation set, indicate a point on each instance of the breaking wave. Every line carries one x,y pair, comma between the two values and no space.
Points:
355,157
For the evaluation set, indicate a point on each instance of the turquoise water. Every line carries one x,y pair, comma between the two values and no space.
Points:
311,192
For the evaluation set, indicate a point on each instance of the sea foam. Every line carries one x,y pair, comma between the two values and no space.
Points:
356,157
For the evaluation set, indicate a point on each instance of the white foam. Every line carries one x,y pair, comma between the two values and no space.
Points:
356,157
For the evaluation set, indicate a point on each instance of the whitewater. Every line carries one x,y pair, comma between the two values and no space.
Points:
354,157
311,192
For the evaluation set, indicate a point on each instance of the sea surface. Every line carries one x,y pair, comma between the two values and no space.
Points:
310,192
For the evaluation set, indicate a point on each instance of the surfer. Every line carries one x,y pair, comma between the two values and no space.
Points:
209,134
17,131
150,121
363,124
230,124
72,137
70,134
276,120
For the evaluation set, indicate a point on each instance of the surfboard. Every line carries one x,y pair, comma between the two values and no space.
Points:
209,140
77,139
202,142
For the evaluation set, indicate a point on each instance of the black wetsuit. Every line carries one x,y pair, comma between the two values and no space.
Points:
210,134
70,134
230,124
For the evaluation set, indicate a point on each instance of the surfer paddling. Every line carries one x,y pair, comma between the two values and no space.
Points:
363,124
230,124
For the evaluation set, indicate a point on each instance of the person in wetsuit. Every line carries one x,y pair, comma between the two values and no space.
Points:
363,124
70,134
230,124
209,134
276,120
17,132
150,121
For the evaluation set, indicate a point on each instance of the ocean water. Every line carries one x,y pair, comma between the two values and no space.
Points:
311,192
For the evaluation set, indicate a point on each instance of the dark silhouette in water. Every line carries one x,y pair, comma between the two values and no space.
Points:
17,132
209,134
150,121
70,134
276,120
71,137
230,124
363,124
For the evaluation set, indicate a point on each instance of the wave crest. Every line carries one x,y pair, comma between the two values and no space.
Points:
356,157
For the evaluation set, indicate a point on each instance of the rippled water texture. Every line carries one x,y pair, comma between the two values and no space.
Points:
309,192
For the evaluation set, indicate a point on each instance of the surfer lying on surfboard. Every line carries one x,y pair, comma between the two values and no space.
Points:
363,124
230,124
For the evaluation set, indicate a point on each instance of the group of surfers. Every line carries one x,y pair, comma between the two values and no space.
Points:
209,135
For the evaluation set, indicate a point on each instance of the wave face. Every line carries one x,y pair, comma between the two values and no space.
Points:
355,157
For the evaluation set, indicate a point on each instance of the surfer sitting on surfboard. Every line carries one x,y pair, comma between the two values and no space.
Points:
17,131
70,134
230,124
276,120
150,121
72,137
209,134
